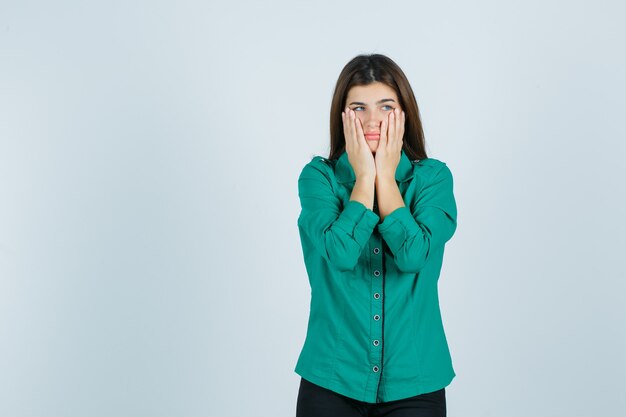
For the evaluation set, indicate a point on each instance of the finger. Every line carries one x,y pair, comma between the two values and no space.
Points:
348,129
344,119
399,131
383,134
360,136
398,117
353,132
393,128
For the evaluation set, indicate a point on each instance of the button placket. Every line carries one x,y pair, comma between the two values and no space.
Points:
376,310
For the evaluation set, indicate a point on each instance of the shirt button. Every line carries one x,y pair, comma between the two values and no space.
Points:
375,368
376,317
375,342
376,250
376,273
376,295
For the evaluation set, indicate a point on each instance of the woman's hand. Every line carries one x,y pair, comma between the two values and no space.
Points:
359,153
390,146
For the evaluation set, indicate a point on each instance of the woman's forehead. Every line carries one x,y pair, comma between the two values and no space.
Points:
371,92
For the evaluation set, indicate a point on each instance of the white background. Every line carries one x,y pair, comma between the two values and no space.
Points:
150,263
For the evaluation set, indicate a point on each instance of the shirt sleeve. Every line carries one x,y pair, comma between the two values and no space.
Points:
338,233
414,234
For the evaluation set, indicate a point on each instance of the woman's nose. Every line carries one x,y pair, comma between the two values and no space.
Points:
373,119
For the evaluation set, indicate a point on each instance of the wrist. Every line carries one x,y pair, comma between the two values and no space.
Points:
385,179
366,179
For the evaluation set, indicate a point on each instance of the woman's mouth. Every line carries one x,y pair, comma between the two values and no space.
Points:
372,136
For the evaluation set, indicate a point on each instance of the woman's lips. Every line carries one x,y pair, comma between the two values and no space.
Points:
372,136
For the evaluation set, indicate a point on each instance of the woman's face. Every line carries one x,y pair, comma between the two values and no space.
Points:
371,104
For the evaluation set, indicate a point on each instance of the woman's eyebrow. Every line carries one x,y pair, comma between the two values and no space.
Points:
360,103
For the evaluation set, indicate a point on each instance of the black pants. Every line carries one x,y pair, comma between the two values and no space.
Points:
316,401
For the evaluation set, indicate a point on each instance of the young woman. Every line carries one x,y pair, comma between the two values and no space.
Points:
375,217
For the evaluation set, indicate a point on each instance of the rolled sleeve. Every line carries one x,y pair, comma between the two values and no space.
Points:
413,234
357,221
338,233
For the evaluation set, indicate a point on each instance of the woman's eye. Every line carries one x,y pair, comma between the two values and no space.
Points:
386,107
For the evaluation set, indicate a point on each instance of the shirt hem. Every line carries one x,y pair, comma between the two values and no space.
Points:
394,394
387,394
330,385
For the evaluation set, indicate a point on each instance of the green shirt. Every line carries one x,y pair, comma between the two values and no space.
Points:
375,331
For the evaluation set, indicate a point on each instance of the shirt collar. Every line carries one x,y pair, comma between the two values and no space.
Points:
345,173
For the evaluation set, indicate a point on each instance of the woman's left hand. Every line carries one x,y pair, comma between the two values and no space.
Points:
389,148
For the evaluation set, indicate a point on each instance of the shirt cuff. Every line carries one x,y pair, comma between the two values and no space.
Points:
357,221
397,226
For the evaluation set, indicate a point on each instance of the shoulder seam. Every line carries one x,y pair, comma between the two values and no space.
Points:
321,159
322,166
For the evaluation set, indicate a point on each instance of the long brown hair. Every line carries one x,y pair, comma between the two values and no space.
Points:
366,69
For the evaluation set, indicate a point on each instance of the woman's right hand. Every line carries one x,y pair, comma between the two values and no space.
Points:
359,152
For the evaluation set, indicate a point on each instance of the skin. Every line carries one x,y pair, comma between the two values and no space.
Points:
374,161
